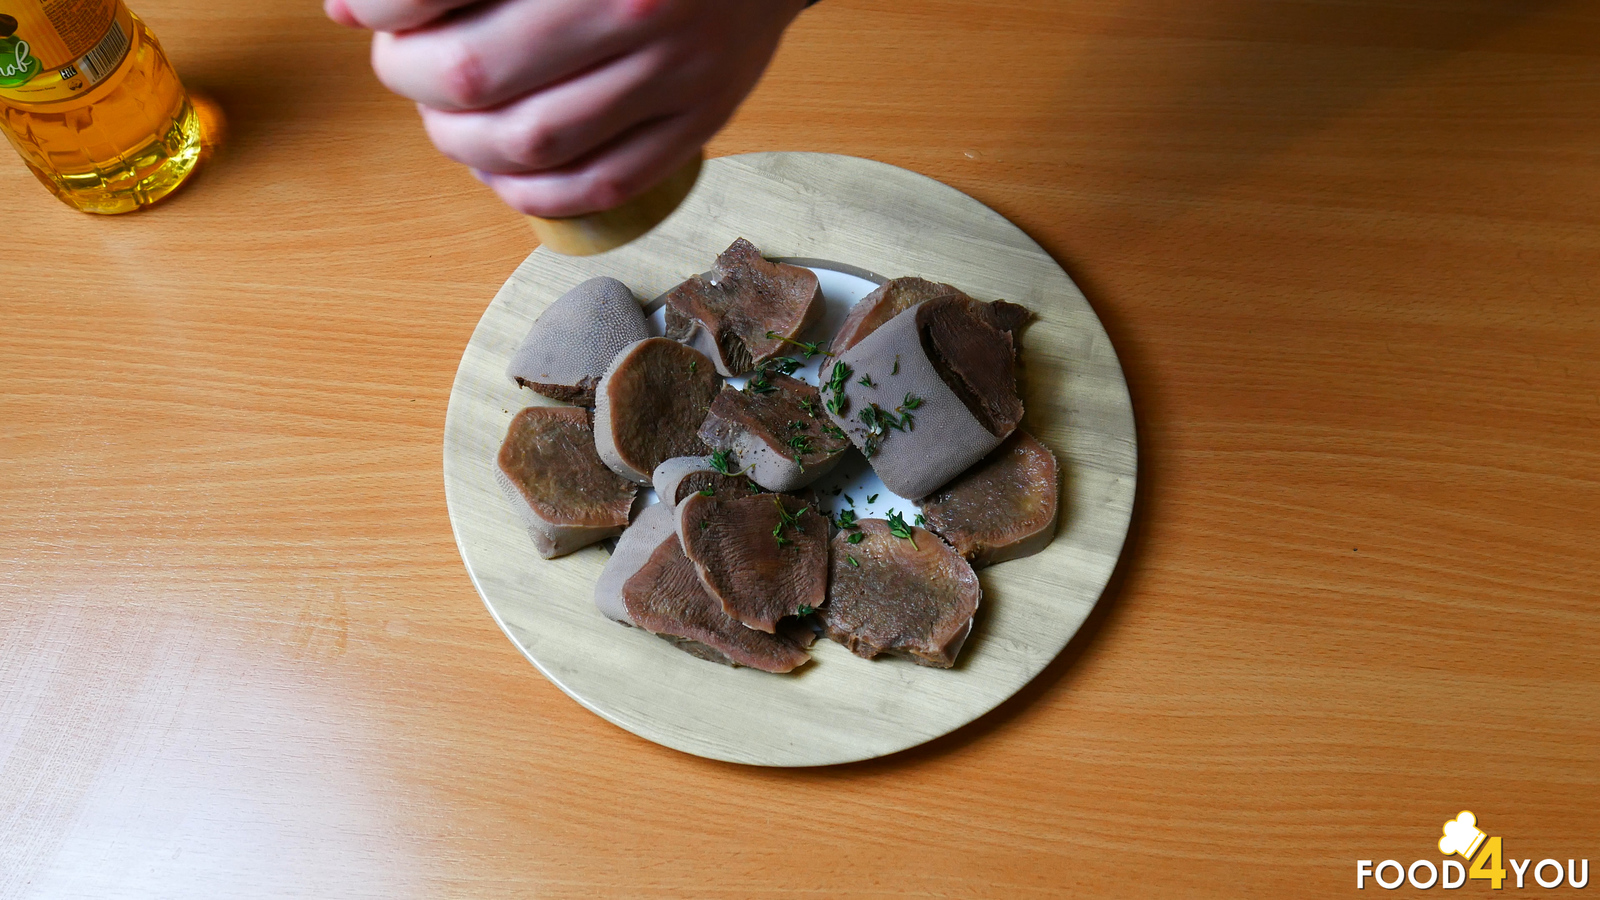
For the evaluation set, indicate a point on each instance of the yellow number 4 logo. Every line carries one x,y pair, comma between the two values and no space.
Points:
1489,865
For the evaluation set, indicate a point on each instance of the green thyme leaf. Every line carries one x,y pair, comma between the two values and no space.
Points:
899,528
807,348
723,461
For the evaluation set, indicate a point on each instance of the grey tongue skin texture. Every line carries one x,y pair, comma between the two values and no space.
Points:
779,435
653,524
895,297
913,597
951,372
649,406
728,315
666,597
761,556
556,482
574,340
1004,507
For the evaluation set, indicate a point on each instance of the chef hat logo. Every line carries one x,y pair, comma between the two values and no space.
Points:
1461,835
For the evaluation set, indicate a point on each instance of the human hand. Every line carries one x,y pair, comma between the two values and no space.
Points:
566,107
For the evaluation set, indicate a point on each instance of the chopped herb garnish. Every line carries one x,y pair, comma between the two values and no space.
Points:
896,369
866,381
921,519
704,524
801,445
807,348
784,516
805,610
783,365
849,499
835,431
899,528
873,499
837,376
838,403
724,462
694,366
847,519
708,492
810,406
852,560
855,537
912,401
759,383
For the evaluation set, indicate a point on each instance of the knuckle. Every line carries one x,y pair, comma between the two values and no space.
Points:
636,12
463,77
534,142
608,190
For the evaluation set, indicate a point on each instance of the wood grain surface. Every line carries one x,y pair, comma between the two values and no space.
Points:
1346,250
872,217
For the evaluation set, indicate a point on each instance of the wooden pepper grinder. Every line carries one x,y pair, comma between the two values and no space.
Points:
598,232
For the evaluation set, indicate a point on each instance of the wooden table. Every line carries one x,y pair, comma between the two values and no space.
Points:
1347,250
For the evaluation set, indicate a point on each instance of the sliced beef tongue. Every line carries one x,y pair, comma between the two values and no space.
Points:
967,352
666,597
729,314
890,299
681,476
649,406
574,340
1009,317
763,557
654,524
777,429
923,410
909,596
1004,507
549,470
895,297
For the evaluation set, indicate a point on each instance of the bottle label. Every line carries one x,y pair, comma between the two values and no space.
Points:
59,49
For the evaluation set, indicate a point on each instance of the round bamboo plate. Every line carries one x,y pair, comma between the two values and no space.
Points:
868,216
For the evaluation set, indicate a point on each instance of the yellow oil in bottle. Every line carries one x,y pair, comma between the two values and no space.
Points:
105,136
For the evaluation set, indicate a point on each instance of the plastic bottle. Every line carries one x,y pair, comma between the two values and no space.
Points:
90,101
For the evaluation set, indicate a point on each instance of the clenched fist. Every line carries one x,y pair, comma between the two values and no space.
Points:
566,107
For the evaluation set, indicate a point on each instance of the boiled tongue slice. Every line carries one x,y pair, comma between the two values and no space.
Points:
763,557
729,315
573,341
667,598
1004,507
910,596
549,471
780,434
649,406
